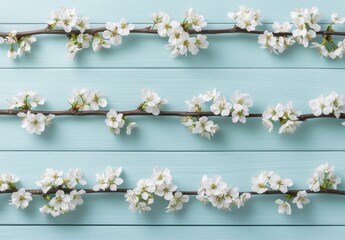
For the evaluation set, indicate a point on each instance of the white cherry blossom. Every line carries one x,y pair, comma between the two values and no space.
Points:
35,123
333,103
301,199
246,18
324,178
337,19
152,102
197,21
286,114
109,179
21,199
8,181
284,207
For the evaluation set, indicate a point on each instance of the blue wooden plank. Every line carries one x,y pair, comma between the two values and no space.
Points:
170,233
148,51
135,11
122,87
187,169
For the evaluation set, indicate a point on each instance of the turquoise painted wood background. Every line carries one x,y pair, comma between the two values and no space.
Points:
237,152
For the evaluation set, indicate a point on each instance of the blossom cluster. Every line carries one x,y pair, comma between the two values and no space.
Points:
66,199
324,178
115,121
152,102
8,181
268,180
219,194
19,198
180,42
85,99
238,108
160,184
32,122
18,45
109,179
285,114
67,19
331,104
305,24
246,18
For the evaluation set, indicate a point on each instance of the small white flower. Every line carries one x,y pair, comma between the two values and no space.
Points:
333,103
324,178
109,179
21,198
286,114
35,123
130,127
221,106
11,38
76,199
84,40
25,45
337,19
84,99
210,95
82,23
166,190
301,199
267,40
281,27
240,104
195,104
278,183
26,100
124,28
206,128
159,17
60,201
259,183
112,33
201,41
99,43
323,51
152,102
197,21
219,194
115,121
176,203
164,26
246,18
284,207
8,181
161,176
12,54
314,184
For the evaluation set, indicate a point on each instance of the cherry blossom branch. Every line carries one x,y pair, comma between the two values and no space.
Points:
137,112
191,193
150,30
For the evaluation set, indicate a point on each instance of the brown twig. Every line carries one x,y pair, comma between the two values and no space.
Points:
137,112
149,30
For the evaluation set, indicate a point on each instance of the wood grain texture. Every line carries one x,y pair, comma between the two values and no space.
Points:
237,153
148,51
170,233
139,12
187,169
122,87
